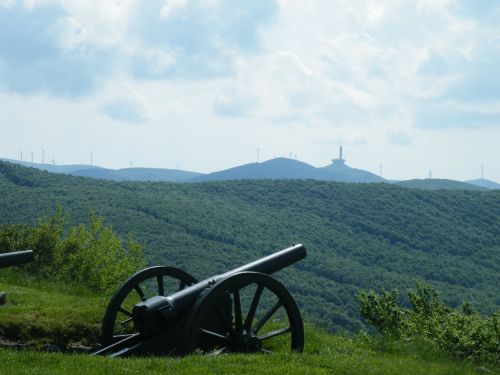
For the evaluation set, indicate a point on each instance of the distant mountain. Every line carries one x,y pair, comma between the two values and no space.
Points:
137,174
125,174
49,167
278,168
340,172
436,184
284,168
482,182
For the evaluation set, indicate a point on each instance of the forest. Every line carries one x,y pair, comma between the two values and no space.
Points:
358,236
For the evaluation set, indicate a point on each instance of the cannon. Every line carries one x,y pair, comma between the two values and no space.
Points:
15,258
165,311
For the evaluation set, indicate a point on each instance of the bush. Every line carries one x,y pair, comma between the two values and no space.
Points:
464,334
89,254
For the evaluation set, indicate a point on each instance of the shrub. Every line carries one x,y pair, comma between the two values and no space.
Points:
89,254
464,334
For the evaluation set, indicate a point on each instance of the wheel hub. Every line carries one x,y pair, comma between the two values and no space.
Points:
245,342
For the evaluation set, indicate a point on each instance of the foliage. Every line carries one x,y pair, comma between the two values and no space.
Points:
90,254
358,236
464,334
381,311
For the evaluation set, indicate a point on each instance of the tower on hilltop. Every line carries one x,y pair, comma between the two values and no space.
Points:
339,161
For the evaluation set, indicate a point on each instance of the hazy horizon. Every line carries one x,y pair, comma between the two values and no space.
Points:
49,163
200,85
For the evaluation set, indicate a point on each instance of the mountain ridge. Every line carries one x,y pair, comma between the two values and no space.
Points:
277,168
285,168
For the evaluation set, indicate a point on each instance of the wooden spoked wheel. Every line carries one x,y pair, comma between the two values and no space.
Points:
117,323
246,312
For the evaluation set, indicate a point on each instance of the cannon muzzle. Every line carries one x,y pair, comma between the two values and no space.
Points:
16,258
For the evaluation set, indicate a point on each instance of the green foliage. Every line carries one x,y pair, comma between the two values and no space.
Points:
464,334
358,236
381,311
94,255
89,254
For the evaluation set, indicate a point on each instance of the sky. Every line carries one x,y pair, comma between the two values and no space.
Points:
406,86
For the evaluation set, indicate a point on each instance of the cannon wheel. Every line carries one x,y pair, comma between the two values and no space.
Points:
219,322
160,276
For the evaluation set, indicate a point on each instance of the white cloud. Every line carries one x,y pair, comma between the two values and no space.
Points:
128,108
7,3
171,6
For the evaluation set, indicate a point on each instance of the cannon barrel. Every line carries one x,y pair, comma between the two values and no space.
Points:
160,312
16,258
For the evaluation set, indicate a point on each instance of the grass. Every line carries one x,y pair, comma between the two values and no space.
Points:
39,311
326,354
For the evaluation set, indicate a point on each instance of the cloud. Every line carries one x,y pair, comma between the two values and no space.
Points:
71,48
478,80
32,59
202,37
127,109
485,11
352,66
399,137
171,6
233,106
447,114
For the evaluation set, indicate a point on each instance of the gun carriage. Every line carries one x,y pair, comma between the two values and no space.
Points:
166,311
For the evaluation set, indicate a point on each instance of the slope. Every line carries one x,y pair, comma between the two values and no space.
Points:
278,168
340,172
436,184
125,174
137,174
68,318
483,182
49,167
358,236
284,168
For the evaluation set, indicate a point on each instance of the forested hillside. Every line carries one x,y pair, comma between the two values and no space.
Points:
358,236
437,184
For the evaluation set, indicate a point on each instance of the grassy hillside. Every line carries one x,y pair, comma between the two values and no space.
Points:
38,313
331,355
358,236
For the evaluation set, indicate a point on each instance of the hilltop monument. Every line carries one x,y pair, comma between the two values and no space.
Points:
339,162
